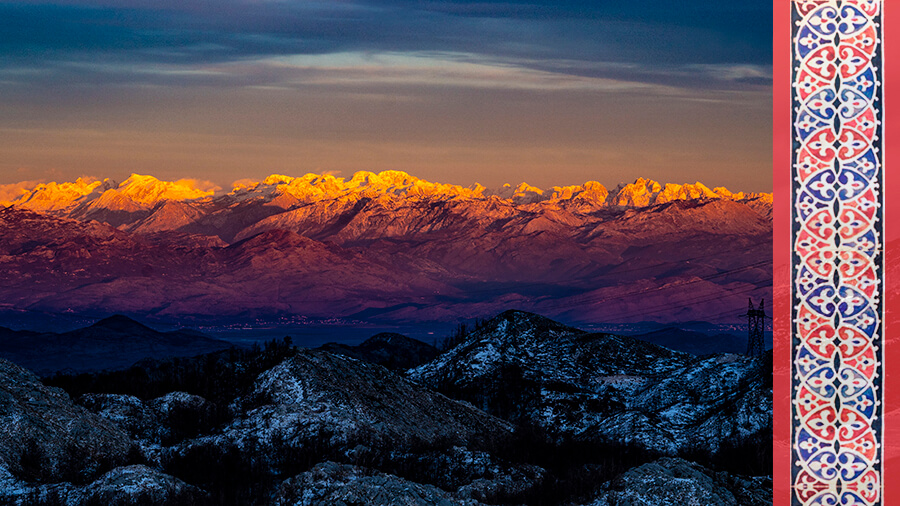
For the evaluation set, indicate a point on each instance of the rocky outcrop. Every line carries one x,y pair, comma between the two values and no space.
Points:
48,438
352,402
182,408
129,414
136,484
525,367
472,474
53,451
330,484
164,420
675,482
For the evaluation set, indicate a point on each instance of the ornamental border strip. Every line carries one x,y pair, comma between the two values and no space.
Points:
837,256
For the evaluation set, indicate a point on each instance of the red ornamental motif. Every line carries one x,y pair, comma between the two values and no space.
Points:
866,447
864,363
821,145
808,487
865,124
809,84
821,263
867,284
853,144
853,343
837,286
870,7
864,42
820,341
808,6
807,243
821,225
853,264
822,64
853,61
808,166
869,487
866,204
808,402
853,223
807,322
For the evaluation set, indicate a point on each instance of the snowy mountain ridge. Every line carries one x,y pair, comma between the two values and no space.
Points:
143,192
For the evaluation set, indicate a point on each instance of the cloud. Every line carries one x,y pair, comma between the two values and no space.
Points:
199,184
136,42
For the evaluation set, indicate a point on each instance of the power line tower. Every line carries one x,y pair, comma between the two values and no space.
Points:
756,319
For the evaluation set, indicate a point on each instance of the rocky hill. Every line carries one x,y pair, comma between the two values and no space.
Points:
385,247
524,367
53,451
352,401
391,350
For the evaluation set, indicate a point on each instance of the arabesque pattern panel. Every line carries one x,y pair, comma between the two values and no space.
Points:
837,256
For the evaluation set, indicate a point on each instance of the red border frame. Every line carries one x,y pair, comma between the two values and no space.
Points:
781,248
781,187
891,394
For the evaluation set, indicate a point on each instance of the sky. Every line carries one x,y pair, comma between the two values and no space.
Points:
544,91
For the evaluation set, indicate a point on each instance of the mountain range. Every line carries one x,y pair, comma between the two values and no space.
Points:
385,247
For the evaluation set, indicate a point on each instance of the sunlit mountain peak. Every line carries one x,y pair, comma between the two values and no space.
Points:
61,196
148,190
645,192
275,179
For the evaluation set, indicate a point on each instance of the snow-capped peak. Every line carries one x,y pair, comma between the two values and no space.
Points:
48,197
646,192
136,192
148,191
315,187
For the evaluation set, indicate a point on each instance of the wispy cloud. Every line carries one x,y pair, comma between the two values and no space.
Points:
136,41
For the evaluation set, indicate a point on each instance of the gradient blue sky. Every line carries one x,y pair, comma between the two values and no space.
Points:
544,91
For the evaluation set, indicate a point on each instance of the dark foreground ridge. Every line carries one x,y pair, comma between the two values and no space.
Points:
522,410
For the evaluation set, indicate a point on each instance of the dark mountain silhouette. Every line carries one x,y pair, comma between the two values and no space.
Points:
111,343
391,350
